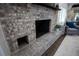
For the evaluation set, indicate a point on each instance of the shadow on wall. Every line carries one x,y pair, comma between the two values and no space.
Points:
4,49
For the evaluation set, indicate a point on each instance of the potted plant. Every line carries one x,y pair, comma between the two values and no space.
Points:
57,27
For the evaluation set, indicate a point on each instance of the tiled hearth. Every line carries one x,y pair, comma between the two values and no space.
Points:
39,46
18,22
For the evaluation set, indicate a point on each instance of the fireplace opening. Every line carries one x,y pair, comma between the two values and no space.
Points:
42,27
22,41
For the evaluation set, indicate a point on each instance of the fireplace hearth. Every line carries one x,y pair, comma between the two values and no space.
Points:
42,27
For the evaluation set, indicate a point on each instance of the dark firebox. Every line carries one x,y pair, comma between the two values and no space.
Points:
42,27
22,41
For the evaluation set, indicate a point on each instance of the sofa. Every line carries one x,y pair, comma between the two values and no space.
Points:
71,29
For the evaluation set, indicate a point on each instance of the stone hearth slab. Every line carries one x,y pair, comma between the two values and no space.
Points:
39,46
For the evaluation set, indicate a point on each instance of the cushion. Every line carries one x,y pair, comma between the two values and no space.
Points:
70,24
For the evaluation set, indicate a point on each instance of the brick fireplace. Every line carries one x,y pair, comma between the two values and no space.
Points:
20,23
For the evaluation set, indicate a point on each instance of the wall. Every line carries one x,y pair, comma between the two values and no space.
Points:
18,21
71,15
4,49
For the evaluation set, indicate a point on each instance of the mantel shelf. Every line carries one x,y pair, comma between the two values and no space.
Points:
48,6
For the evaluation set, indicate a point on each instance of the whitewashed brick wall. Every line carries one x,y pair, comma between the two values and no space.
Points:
18,21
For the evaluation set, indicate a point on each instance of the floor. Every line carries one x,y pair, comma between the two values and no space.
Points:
53,48
69,47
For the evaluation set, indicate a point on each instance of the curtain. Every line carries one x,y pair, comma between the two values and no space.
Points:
62,16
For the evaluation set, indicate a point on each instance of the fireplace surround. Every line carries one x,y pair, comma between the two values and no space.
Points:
21,22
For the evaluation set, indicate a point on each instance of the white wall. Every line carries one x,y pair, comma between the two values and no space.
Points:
4,49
